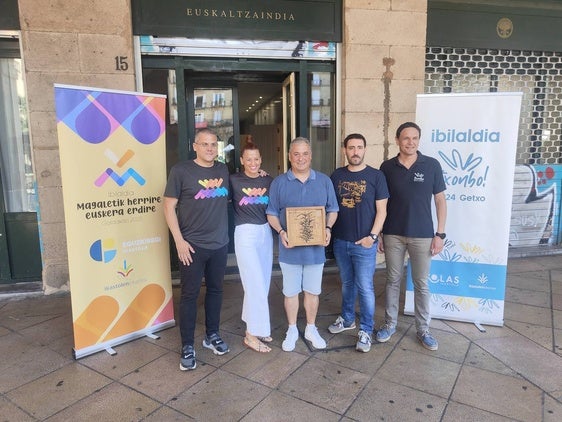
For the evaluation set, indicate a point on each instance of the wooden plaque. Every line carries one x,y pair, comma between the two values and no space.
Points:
306,226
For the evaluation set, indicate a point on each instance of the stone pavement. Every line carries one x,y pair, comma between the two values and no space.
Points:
507,373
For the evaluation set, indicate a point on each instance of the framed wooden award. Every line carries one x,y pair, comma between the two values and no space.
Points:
306,226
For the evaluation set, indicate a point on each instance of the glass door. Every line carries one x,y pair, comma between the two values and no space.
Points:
20,255
289,116
212,106
5,273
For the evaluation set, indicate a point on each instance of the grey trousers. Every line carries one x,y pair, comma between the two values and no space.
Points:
395,248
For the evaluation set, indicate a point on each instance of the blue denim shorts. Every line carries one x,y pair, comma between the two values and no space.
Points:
297,278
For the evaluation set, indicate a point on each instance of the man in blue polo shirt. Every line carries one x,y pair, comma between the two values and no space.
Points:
413,179
301,266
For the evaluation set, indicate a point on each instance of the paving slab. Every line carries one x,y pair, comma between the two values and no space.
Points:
287,408
105,403
511,397
162,380
479,358
536,333
552,409
207,400
459,412
531,361
420,371
269,369
57,390
389,401
331,387
164,413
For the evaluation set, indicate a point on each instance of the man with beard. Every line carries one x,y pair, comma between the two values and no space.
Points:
362,195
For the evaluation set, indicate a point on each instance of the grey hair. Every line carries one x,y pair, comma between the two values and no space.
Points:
300,140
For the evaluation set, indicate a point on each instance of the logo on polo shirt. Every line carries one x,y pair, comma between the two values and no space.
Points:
419,177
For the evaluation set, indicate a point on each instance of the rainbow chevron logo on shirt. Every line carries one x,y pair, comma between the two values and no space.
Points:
213,189
255,196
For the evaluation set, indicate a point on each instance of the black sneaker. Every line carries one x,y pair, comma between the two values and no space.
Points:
216,344
187,361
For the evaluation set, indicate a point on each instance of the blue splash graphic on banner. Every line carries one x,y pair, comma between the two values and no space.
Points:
485,281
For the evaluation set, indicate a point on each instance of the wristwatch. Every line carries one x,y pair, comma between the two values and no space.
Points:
373,236
441,235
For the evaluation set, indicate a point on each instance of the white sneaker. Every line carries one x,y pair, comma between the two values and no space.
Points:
311,334
290,340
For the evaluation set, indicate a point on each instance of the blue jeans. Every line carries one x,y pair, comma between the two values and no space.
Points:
357,269
210,264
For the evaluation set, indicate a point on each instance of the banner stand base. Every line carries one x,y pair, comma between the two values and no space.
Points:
108,345
480,327
111,351
153,336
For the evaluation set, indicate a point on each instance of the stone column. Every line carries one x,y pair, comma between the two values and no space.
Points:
383,70
75,43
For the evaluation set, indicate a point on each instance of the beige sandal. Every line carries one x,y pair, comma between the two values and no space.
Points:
255,344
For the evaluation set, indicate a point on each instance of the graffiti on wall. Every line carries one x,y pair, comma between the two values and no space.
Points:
536,207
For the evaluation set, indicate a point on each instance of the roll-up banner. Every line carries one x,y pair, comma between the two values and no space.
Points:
113,168
474,137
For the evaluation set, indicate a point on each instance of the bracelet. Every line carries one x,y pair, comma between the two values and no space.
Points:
329,228
279,232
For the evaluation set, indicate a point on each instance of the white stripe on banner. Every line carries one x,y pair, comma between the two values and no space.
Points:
474,137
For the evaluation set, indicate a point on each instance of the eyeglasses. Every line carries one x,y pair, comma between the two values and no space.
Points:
206,145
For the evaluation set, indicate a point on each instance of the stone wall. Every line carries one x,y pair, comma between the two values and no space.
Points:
75,43
382,70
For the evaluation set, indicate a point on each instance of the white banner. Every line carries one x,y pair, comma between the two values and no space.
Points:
474,137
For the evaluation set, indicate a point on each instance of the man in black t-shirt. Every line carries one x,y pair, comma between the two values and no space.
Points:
198,191
362,195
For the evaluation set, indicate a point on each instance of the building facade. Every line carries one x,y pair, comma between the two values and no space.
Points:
323,69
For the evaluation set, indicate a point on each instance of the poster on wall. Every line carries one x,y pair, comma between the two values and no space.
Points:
113,168
474,137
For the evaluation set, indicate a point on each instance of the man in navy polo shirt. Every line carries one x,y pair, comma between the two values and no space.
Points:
413,179
301,266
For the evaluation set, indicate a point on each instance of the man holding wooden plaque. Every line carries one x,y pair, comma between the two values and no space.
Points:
302,209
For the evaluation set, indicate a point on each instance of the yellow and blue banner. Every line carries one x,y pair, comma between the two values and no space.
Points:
474,137
113,168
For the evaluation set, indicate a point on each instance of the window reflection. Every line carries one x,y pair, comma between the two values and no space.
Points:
321,115
213,110
18,178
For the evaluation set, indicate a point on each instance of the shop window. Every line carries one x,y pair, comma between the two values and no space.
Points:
18,178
